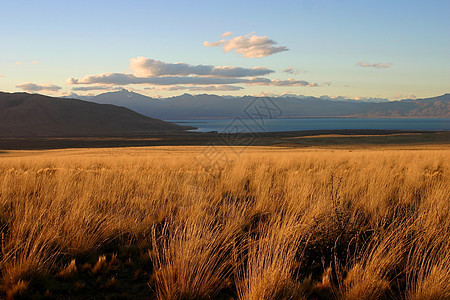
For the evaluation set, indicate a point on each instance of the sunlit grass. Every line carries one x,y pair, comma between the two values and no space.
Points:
270,223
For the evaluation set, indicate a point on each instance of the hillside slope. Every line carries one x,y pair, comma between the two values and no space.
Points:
23,114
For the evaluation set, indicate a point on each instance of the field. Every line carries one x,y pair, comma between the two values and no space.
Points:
195,222
308,138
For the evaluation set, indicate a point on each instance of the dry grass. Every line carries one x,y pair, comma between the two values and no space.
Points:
270,223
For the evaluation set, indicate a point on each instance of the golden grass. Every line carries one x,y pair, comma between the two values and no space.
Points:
271,223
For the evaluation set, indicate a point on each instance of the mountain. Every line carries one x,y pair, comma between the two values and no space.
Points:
340,98
187,106
134,101
23,114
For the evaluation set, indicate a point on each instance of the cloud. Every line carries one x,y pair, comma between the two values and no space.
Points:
377,65
399,96
292,71
249,45
146,67
69,94
278,82
356,98
95,88
32,87
226,34
222,87
71,81
167,88
283,94
214,44
266,94
125,79
179,76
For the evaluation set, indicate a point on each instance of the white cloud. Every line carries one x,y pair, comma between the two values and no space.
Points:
166,88
226,71
266,94
214,44
249,45
222,87
71,81
278,82
32,87
95,88
146,67
124,79
283,94
291,70
356,98
226,34
399,96
376,65
69,94
179,76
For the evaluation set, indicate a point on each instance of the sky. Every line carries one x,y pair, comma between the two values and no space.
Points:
351,48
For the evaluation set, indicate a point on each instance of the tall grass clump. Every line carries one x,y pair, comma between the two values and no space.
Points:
271,223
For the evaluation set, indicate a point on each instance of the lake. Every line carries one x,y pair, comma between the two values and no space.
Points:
300,124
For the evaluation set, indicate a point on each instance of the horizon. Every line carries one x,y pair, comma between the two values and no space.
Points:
225,96
357,49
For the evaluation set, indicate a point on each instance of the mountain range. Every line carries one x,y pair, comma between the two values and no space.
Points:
188,106
25,115
125,113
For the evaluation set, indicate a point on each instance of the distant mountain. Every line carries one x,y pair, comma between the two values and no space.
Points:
23,114
134,101
340,98
438,107
187,106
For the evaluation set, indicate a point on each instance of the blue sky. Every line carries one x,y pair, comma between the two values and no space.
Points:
360,48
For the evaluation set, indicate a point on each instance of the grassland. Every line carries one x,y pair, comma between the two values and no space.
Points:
226,222
308,138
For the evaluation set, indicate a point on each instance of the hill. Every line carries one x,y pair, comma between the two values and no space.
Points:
212,106
23,114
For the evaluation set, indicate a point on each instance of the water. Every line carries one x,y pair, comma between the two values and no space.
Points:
300,124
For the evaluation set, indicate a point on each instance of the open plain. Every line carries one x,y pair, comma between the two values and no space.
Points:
198,222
